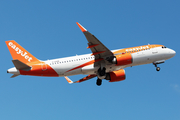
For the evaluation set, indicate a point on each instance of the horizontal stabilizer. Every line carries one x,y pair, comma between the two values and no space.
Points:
20,65
15,75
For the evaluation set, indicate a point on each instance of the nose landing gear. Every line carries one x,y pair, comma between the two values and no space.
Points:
157,68
158,62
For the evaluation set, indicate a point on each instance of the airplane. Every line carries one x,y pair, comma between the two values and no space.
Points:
102,63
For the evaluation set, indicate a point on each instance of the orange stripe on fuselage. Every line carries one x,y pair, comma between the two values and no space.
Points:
85,64
135,49
40,69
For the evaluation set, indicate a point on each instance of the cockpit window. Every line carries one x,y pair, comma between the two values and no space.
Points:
163,46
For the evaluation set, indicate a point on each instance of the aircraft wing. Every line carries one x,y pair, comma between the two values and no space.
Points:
81,80
98,49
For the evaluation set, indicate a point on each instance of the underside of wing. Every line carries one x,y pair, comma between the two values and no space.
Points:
81,80
99,50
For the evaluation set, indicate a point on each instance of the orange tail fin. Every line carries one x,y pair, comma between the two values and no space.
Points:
18,52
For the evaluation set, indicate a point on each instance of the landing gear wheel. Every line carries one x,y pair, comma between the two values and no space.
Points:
102,72
158,68
98,82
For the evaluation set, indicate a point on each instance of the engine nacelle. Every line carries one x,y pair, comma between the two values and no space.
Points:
116,76
122,59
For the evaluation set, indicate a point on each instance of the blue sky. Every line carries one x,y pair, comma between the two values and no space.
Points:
47,29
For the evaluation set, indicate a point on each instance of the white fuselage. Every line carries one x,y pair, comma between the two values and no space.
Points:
74,65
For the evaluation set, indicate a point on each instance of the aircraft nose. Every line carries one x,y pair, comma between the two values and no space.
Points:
172,52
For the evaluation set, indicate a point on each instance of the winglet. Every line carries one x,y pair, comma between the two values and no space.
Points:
81,27
69,81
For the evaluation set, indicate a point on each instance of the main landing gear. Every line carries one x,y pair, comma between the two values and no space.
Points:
102,72
101,75
98,82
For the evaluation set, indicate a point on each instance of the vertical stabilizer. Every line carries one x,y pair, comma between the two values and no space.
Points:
19,53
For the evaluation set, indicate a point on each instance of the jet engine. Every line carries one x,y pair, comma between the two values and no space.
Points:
122,59
116,76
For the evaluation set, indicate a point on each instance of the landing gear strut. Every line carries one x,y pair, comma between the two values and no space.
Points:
98,82
157,68
101,75
158,62
102,72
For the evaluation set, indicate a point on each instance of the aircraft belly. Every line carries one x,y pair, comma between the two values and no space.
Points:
73,72
61,69
90,69
68,69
